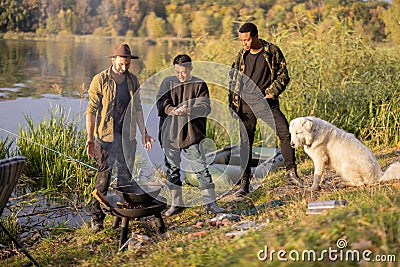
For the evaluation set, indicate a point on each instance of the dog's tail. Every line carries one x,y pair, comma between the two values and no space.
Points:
391,173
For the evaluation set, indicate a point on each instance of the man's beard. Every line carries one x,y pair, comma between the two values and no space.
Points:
119,71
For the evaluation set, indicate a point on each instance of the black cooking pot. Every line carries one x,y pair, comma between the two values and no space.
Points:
141,192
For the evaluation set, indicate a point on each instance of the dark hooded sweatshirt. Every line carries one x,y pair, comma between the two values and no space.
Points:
184,130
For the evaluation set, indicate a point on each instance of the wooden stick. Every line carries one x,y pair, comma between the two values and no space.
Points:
102,199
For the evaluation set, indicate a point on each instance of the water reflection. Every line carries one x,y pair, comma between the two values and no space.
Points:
34,68
38,75
38,212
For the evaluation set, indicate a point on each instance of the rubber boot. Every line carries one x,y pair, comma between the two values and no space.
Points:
176,202
210,202
244,185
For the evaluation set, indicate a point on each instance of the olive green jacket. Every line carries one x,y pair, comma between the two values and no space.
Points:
102,93
277,66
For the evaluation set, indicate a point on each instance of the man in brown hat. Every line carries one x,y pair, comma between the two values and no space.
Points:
114,99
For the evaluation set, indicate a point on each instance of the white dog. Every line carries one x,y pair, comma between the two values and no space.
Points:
329,146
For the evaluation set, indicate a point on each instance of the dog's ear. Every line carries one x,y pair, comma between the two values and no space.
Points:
308,125
309,136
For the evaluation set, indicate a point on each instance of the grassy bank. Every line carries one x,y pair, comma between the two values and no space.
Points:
368,222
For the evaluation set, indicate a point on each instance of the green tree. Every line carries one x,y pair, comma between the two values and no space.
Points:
15,16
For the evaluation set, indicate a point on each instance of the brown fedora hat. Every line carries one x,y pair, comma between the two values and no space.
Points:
123,50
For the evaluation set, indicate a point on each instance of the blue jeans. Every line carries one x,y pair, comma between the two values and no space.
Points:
197,161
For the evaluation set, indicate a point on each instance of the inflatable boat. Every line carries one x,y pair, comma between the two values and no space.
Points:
224,165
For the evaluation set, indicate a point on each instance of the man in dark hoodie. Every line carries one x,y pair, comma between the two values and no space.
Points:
259,75
183,104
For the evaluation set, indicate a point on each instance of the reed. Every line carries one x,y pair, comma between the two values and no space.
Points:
6,149
342,79
55,151
10,223
335,75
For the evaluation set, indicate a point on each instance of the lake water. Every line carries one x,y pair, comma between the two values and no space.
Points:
35,75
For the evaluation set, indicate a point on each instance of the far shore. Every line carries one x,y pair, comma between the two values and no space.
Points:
91,38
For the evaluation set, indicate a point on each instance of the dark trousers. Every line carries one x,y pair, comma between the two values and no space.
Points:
277,122
106,155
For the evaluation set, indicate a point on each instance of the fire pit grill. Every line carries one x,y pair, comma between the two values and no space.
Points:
133,193
138,203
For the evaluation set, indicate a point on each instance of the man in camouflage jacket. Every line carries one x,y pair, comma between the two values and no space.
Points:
258,76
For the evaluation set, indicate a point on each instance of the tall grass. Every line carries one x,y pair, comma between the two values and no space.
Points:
10,223
6,150
54,149
339,77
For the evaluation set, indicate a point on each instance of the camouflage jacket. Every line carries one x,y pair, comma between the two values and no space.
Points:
278,71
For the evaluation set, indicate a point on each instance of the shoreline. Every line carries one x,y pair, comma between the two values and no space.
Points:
92,38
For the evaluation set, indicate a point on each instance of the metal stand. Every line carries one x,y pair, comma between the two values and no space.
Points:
160,223
124,231
125,228
33,261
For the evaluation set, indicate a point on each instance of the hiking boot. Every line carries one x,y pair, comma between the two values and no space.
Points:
97,226
293,178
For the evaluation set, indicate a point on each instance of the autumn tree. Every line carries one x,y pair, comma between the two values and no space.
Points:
135,11
67,21
154,26
203,24
16,15
179,25
86,16
391,17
